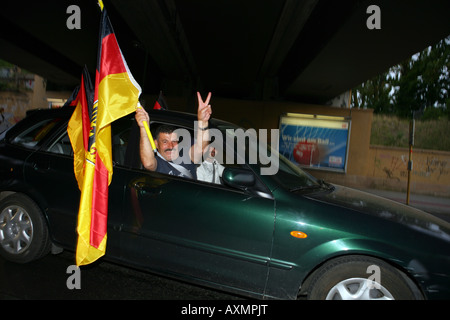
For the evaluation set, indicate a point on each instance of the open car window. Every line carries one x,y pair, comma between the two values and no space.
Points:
185,140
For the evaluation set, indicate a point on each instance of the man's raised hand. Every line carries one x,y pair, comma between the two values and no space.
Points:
204,108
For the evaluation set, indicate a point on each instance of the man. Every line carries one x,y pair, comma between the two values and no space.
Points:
210,170
166,143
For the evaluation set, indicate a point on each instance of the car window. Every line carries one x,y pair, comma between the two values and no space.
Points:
61,145
185,140
120,131
206,172
36,133
185,135
120,134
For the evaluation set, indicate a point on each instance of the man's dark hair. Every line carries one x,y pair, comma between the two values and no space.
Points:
164,128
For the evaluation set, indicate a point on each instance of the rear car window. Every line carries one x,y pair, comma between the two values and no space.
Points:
31,136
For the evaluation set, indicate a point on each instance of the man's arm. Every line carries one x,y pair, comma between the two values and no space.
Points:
203,114
145,149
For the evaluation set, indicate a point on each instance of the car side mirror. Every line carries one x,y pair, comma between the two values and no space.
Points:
239,178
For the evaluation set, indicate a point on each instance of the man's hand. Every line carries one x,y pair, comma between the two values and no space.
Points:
204,108
146,144
203,115
141,116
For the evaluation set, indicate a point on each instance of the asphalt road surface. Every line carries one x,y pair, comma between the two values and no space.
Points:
48,277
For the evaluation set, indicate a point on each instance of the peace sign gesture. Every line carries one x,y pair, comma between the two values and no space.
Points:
204,108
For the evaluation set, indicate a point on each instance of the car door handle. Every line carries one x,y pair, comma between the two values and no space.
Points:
144,188
41,167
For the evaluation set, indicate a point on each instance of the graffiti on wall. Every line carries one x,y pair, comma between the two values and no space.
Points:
435,166
427,167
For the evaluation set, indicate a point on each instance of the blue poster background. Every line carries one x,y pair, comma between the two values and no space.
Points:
313,146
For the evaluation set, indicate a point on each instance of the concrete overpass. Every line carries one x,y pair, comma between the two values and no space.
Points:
298,50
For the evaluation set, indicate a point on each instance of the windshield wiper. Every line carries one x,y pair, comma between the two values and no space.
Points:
303,188
322,185
325,184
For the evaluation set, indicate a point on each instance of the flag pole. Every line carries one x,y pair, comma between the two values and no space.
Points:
100,4
149,134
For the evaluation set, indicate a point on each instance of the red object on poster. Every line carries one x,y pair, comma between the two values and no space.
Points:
306,153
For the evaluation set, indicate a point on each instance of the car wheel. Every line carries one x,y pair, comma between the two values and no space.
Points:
23,230
351,278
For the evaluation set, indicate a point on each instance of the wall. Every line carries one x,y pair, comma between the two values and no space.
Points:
387,169
15,103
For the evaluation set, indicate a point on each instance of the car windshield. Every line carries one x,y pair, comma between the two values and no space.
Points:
295,179
245,146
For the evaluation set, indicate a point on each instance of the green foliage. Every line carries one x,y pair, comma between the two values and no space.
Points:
394,131
6,64
416,87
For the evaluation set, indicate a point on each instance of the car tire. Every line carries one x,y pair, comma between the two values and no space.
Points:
350,278
24,233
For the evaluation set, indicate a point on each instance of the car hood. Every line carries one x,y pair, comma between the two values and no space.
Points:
385,209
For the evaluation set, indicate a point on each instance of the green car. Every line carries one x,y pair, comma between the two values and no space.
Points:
285,235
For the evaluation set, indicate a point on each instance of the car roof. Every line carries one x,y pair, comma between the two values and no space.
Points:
176,117
36,115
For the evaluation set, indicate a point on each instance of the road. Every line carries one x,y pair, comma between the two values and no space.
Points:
47,279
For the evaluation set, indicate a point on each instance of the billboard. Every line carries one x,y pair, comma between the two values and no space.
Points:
315,141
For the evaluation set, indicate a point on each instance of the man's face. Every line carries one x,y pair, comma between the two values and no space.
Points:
167,145
209,153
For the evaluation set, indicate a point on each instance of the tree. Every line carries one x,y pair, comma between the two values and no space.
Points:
418,86
373,93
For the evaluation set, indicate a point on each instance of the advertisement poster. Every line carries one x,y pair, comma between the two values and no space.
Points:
315,141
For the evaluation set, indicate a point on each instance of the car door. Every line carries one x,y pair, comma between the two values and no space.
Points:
50,173
197,230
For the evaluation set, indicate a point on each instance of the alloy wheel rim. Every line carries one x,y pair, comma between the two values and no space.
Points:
16,229
359,289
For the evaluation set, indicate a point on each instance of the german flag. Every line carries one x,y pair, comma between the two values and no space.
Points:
80,122
161,103
116,94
